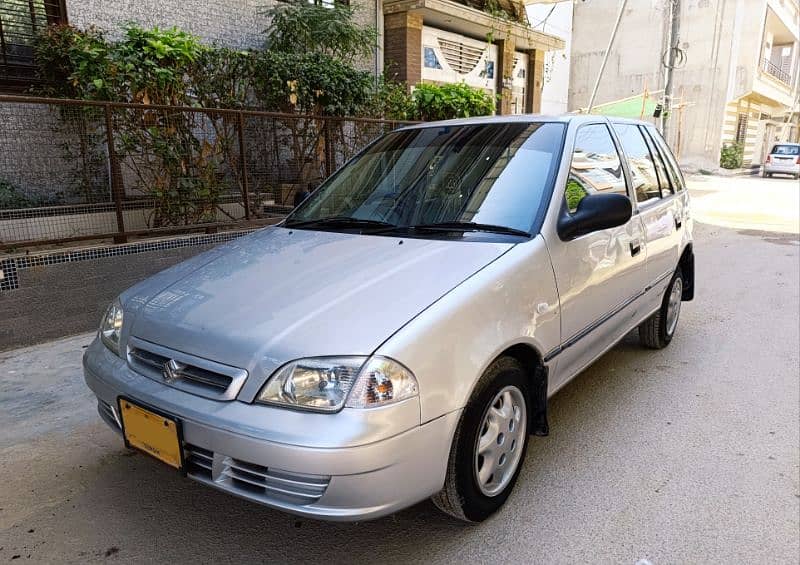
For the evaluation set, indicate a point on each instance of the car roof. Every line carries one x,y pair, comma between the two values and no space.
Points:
527,118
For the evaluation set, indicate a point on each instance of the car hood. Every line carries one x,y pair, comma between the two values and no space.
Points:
278,294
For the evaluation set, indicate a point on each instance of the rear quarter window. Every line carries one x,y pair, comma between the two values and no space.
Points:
675,174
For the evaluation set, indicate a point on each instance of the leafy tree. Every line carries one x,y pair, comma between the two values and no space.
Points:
11,197
152,65
446,101
74,63
731,156
296,26
223,78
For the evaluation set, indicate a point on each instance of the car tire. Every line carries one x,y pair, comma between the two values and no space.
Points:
656,332
467,494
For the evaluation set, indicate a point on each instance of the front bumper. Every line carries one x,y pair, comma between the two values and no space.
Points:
356,482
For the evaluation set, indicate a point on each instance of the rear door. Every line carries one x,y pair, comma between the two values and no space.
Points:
677,181
657,204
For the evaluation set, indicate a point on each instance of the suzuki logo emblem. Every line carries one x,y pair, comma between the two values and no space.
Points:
173,370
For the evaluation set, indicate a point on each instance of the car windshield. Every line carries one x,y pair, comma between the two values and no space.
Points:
447,177
786,150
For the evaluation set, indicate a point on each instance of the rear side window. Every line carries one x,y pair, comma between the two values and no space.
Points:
669,159
640,161
595,166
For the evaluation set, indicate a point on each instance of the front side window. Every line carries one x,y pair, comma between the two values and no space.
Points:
20,21
595,166
640,162
493,174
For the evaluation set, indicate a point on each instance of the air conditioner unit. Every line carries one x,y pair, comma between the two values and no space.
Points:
452,58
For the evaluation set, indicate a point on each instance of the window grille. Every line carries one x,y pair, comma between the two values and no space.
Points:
20,21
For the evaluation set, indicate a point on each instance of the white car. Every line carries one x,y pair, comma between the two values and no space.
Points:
784,159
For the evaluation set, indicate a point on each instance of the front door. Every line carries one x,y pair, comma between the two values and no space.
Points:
600,274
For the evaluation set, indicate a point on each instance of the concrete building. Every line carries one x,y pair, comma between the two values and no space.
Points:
446,41
555,19
737,79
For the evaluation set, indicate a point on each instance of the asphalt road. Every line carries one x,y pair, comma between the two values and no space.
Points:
690,454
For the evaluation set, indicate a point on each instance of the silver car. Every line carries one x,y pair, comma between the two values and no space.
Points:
784,159
399,335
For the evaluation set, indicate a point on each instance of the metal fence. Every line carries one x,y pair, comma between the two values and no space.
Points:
76,170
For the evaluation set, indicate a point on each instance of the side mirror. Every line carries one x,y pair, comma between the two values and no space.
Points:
595,212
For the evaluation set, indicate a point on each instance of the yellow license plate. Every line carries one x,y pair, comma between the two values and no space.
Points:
152,433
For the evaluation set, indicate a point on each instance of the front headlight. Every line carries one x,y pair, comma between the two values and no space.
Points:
326,384
111,326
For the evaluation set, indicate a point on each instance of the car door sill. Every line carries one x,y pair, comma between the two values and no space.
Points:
602,320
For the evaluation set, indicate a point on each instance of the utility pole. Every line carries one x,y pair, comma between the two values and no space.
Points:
605,57
672,51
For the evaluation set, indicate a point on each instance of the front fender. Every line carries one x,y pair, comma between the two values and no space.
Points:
448,346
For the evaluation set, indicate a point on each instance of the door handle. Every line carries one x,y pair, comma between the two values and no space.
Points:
678,222
636,247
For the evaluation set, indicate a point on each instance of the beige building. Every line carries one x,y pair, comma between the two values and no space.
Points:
737,79
442,41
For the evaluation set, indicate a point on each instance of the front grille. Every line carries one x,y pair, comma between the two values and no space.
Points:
275,484
192,374
155,362
252,480
108,414
199,461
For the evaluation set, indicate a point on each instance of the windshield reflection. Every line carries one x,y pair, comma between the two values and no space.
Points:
492,174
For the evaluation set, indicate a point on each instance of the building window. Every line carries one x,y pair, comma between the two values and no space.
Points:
741,129
431,60
20,21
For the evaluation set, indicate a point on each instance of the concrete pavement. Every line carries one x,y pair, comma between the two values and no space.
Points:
690,454
747,202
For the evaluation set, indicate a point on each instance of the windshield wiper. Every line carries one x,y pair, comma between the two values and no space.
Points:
468,226
339,221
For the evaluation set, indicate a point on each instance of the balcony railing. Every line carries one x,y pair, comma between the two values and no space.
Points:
772,69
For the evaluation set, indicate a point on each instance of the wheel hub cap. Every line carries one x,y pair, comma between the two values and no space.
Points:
500,441
674,305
